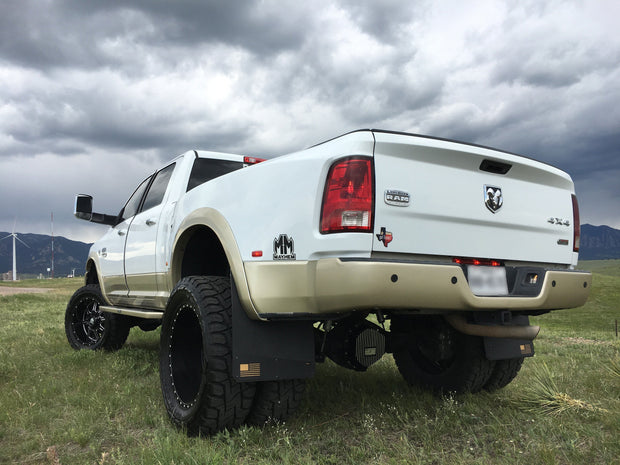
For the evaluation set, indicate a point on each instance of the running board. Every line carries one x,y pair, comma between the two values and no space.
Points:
138,313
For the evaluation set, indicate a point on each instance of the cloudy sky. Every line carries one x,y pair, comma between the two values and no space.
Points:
94,95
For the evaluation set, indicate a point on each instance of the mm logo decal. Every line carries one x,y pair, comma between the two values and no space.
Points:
283,248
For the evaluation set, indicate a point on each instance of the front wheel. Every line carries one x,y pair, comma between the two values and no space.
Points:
436,356
87,327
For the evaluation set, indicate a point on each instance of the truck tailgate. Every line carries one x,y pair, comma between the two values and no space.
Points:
437,197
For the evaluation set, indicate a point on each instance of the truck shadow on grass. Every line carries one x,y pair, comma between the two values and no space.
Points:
379,398
335,392
339,391
346,413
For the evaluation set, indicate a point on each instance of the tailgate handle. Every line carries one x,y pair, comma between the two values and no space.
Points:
495,167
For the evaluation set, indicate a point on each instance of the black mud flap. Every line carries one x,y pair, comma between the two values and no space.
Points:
270,350
504,348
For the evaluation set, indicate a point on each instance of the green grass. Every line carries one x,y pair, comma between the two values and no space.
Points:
57,284
95,407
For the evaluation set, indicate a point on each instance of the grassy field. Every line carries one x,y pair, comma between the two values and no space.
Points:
62,406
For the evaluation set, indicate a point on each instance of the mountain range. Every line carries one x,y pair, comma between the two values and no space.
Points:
597,243
34,258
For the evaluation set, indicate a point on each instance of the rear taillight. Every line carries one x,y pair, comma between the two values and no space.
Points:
576,225
252,160
348,197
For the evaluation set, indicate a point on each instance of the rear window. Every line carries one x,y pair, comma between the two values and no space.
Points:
206,169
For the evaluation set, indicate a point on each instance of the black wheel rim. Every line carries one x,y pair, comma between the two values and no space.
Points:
434,349
88,322
186,356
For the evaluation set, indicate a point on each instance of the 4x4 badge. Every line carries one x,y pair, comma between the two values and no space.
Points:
385,237
493,198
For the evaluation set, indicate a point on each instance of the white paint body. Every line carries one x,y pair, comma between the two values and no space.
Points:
446,215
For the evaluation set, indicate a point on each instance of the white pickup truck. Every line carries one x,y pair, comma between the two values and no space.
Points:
373,242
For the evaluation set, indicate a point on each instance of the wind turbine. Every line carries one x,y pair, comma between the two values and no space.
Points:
14,234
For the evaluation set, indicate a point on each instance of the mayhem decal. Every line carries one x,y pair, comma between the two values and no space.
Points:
385,236
283,248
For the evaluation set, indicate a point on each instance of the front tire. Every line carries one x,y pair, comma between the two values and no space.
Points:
87,327
437,357
199,391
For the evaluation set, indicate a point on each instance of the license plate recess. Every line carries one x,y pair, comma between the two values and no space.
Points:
487,280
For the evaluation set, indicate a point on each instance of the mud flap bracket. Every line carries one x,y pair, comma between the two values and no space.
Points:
497,348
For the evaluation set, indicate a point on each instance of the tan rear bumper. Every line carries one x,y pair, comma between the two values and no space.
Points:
329,286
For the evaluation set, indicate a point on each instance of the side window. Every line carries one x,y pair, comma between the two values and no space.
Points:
205,169
158,188
132,205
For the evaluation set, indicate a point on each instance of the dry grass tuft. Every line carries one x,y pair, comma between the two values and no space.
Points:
52,456
543,395
614,367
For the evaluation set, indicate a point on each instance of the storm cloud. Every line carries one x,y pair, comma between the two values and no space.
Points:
96,95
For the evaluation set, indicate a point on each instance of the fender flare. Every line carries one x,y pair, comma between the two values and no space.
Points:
92,266
214,220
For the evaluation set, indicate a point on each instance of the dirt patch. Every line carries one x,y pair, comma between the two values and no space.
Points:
581,340
5,290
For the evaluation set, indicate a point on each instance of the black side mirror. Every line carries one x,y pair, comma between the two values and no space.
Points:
84,211
83,207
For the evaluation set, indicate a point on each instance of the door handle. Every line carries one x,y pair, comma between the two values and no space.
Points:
121,233
150,222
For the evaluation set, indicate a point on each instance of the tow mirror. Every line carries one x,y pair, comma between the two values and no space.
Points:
84,211
83,207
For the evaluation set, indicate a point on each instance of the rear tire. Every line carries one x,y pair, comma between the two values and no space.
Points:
199,391
503,373
437,357
276,400
87,327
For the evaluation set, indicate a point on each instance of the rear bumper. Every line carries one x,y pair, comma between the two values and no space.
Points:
333,286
